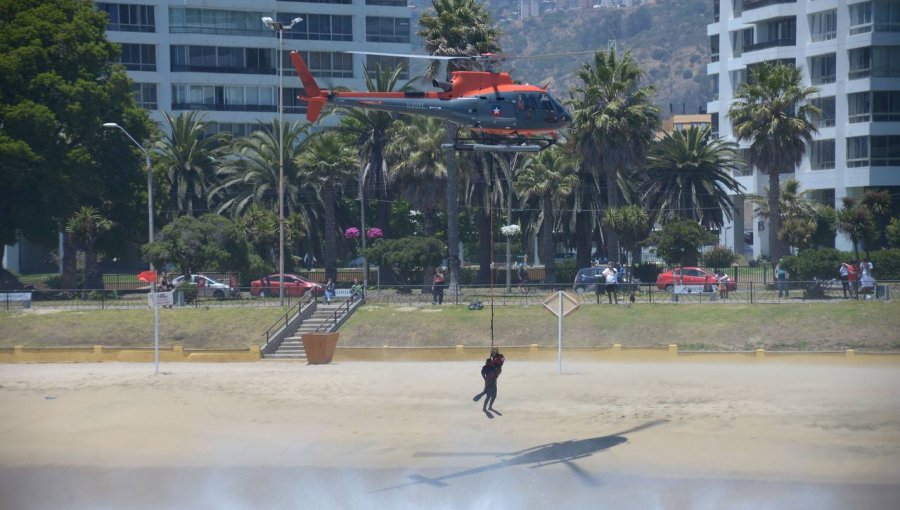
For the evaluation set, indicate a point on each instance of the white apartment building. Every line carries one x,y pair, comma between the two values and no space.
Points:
850,51
218,57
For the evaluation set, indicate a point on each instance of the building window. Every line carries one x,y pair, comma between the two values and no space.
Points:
318,27
391,3
779,32
391,30
129,18
887,15
860,18
886,106
823,25
216,59
885,61
827,106
223,98
885,150
741,40
860,62
857,151
738,78
373,61
714,85
822,69
138,57
145,95
325,64
715,10
290,102
756,4
216,21
859,107
714,48
714,124
743,168
340,2
821,155
236,129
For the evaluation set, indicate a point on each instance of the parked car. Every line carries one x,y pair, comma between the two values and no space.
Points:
355,262
587,278
691,276
293,286
206,286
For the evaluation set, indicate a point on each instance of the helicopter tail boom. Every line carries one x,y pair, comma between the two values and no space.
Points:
313,96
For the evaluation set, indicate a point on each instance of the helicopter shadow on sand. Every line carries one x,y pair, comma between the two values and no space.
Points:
564,452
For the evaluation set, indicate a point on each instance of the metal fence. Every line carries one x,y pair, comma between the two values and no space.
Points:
419,295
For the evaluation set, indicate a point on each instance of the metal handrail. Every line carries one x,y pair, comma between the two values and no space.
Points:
285,319
339,312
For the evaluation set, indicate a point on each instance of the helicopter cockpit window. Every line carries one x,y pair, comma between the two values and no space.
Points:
520,102
546,104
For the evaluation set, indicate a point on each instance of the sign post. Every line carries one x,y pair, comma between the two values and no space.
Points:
560,304
150,277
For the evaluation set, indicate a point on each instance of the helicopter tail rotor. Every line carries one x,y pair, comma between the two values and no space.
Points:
313,95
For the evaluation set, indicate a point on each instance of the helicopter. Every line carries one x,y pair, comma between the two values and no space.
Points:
506,116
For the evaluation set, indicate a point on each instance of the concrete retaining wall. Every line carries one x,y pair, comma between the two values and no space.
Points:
99,353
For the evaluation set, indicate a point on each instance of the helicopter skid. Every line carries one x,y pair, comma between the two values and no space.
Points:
500,144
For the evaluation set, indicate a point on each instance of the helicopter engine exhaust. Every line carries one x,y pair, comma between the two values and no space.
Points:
444,85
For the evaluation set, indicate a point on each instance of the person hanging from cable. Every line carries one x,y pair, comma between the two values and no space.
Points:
490,372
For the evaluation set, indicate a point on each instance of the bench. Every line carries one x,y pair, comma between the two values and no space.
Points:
341,293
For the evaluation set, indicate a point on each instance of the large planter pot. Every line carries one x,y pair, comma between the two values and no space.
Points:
319,347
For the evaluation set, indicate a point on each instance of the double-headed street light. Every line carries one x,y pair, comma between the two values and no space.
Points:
280,27
149,178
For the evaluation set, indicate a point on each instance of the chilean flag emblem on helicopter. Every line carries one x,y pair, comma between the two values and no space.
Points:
496,112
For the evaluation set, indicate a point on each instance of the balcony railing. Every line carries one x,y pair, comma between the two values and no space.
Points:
218,107
178,68
821,165
714,57
774,43
825,123
822,80
752,4
824,36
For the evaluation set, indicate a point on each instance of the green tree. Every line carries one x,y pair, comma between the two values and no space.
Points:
189,157
327,163
689,176
719,257
208,243
797,214
892,232
456,28
85,226
631,223
773,112
826,227
57,88
679,241
614,121
550,177
407,256
878,202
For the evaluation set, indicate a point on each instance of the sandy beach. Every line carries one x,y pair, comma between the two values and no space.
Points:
407,435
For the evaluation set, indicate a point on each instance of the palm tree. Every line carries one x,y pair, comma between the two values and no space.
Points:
250,176
551,177
688,176
457,27
614,122
417,165
631,224
370,127
189,156
327,163
772,111
856,220
85,226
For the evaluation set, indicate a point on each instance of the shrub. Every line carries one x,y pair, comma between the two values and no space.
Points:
189,291
886,264
719,257
821,264
565,271
646,272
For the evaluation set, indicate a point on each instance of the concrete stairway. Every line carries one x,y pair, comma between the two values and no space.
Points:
292,347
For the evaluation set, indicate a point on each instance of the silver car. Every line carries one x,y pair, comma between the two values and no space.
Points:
206,286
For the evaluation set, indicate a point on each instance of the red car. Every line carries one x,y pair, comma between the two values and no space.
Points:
293,286
692,276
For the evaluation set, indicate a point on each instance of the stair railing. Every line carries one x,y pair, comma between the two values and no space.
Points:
285,319
340,311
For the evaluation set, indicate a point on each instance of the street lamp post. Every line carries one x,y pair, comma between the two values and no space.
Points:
279,27
362,219
149,178
150,221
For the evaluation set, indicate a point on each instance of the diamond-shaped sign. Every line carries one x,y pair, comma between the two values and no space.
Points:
569,303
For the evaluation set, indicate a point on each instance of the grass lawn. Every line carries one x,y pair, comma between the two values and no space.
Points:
194,328
813,327
819,326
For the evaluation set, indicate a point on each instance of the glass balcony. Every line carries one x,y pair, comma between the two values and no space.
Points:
774,43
